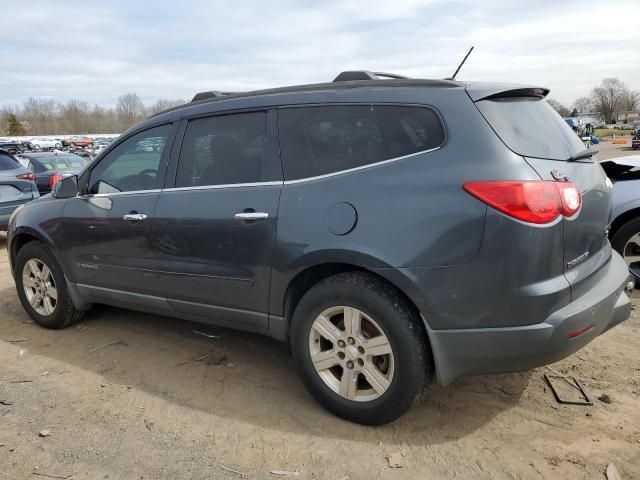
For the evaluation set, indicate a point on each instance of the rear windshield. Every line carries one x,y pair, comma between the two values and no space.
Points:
530,127
7,163
62,162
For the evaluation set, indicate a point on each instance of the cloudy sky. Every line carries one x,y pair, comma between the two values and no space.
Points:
96,51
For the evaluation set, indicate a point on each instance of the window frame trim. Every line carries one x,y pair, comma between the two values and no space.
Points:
445,137
84,176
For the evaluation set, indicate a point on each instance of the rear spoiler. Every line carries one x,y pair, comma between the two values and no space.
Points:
488,91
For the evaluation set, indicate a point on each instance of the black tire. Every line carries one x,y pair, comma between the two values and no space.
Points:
400,323
64,313
622,235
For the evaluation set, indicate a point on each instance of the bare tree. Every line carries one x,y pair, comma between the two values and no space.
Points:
164,104
130,109
630,100
607,98
582,104
562,109
75,116
41,115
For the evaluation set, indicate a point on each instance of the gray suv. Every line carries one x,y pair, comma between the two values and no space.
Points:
390,230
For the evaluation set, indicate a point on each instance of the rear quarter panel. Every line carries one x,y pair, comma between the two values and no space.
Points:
411,213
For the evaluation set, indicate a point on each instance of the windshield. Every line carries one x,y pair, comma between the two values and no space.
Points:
530,127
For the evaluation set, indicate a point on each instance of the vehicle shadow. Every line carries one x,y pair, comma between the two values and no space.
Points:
244,376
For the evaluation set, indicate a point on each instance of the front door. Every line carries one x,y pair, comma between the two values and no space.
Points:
217,222
110,228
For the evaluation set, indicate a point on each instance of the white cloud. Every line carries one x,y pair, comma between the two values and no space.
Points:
97,50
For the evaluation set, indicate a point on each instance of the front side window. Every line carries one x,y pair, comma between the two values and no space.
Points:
320,140
133,165
226,150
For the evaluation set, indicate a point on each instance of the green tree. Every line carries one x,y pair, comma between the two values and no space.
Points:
16,129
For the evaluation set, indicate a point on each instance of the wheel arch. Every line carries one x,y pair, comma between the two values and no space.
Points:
623,218
311,275
21,237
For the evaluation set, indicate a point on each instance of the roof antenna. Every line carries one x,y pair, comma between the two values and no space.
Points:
453,77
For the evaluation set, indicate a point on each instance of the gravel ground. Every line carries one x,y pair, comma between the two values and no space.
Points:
130,395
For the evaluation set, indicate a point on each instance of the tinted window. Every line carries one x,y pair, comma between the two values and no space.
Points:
7,163
320,140
530,127
132,165
226,149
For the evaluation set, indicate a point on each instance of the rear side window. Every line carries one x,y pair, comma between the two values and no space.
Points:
530,127
7,163
225,150
326,139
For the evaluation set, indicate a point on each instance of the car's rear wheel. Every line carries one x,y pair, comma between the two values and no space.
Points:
360,348
626,241
42,288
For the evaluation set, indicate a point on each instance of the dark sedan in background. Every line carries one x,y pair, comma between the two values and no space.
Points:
16,186
11,146
51,167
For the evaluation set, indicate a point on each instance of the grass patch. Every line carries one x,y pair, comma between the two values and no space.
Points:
605,132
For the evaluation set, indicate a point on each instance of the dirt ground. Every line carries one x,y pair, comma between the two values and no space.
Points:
609,150
130,396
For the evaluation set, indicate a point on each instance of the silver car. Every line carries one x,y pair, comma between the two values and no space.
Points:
624,172
17,186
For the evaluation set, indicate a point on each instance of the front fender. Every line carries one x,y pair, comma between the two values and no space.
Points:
40,219
625,198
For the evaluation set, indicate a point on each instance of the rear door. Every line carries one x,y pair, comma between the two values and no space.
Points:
530,127
216,222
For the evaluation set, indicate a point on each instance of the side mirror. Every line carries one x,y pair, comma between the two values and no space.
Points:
66,188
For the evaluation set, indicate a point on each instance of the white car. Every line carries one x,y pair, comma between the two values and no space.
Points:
42,144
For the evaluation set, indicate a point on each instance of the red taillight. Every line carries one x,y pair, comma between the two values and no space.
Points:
570,197
27,176
532,201
53,179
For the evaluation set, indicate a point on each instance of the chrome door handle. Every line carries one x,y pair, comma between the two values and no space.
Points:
251,216
134,217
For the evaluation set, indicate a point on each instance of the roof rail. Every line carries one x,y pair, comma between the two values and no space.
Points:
211,94
364,75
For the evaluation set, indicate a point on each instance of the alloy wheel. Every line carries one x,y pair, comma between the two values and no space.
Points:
632,254
39,287
351,353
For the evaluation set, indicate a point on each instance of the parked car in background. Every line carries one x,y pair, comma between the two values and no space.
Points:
16,186
99,146
11,146
27,146
43,144
624,172
51,167
77,141
391,231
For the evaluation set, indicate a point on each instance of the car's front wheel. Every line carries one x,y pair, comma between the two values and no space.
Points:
42,288
626,241
360,348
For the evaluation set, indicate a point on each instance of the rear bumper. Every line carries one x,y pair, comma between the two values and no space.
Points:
497,350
